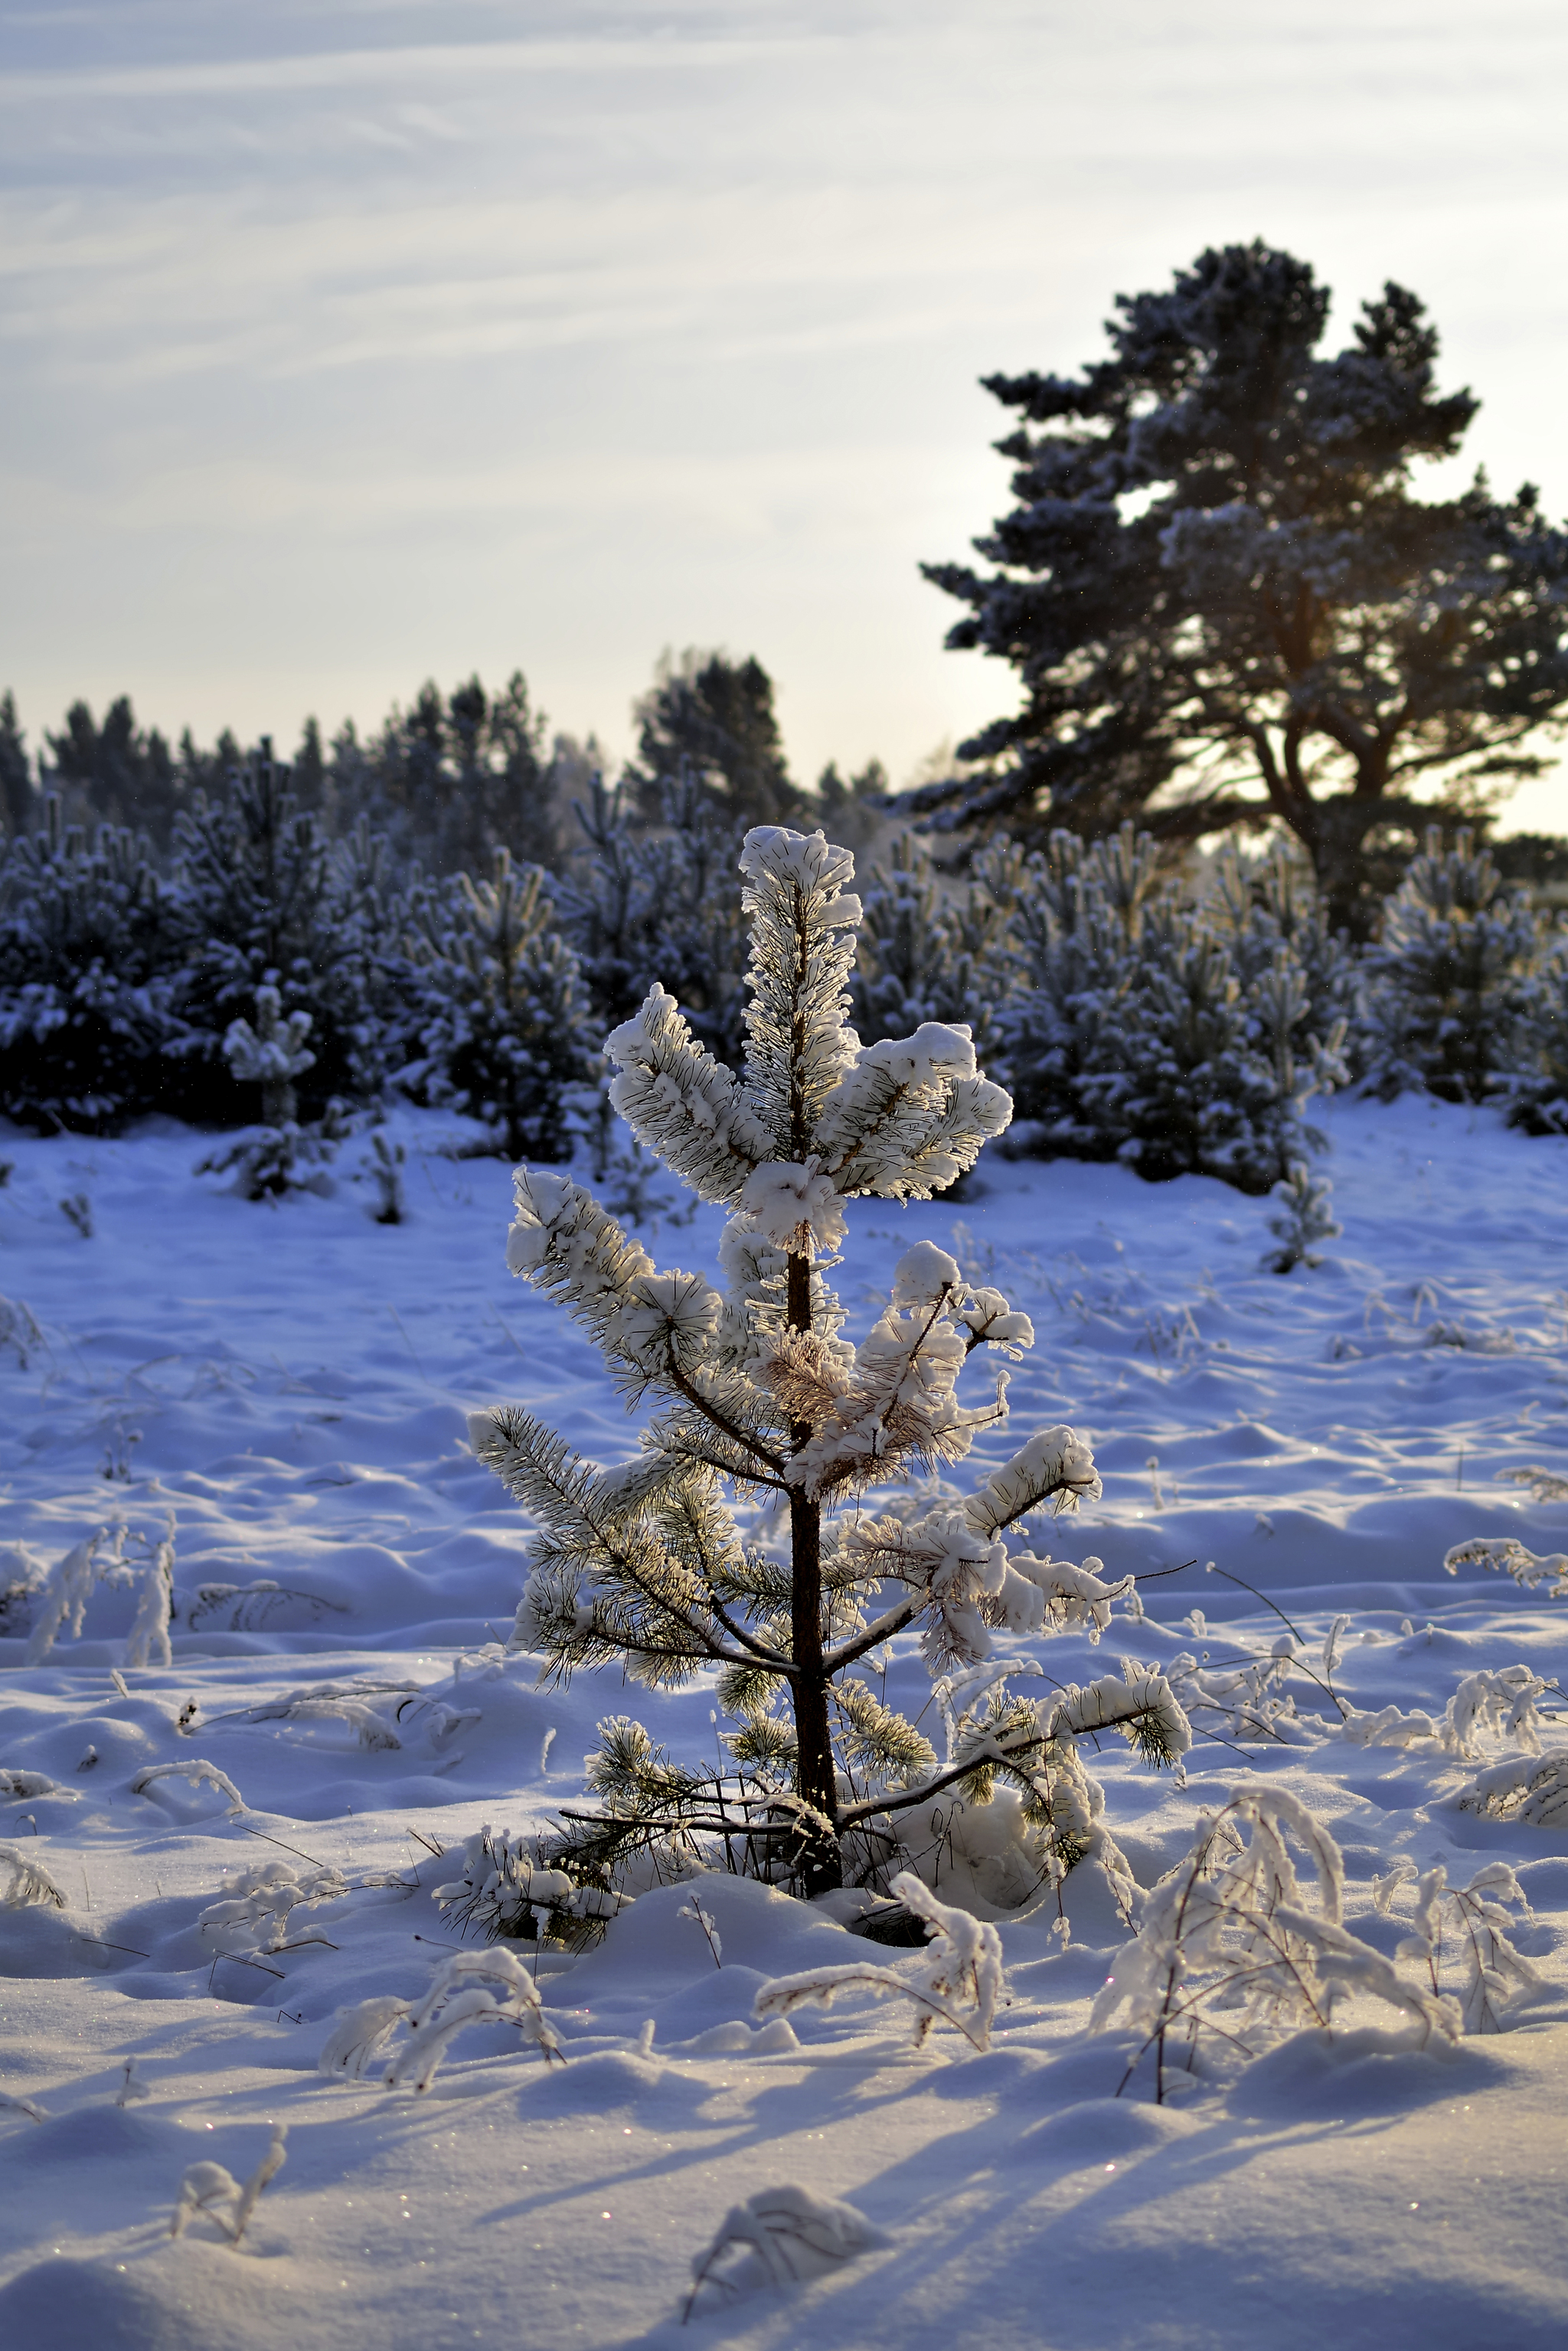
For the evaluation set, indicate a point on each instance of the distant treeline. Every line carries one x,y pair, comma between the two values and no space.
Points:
447,781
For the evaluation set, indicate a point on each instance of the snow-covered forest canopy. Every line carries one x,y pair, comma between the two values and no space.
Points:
790,1561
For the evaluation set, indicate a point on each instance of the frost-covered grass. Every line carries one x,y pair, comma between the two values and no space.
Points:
291,1383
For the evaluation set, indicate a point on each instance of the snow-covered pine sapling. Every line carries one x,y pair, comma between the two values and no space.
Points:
958,1981
209,2188
1227,1934
757,1392
270,1052
28,1883
1304,1218
780,2234
383,1170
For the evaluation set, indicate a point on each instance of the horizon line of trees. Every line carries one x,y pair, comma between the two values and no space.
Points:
450,779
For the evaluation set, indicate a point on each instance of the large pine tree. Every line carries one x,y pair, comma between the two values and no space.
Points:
1224,602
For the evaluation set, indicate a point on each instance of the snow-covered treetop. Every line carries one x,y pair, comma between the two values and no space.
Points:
825,1115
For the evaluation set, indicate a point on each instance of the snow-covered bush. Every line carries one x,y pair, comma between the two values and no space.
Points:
269,1162
506,1891
760,1397
503,1031
1450,976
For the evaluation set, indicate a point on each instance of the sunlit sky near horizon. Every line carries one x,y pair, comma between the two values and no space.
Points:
345,343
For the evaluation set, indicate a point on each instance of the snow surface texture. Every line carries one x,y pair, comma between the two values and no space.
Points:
292,1385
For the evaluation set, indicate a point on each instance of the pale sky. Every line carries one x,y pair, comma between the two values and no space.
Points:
345,343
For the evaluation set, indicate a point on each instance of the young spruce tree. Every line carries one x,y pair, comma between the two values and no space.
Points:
758,1395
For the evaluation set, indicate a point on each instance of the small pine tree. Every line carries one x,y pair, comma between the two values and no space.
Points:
252,875
1450,976
759,1398
89,943
504,1032
270,1054
1303,1219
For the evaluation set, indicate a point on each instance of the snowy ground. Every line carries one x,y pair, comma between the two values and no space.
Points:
292,1385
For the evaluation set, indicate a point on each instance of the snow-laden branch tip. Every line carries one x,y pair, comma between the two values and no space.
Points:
28,1882
490,1987
1513,1558
147,1643
682,1104
1499,1705
958,1982
195,1768
208,2188
780,2234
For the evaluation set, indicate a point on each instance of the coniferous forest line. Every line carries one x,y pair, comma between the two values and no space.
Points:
1231,851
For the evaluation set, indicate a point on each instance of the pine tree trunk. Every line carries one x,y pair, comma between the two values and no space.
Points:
823,1861
279,1103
